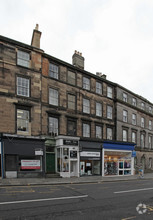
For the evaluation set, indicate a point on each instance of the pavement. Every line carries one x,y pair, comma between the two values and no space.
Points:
72,180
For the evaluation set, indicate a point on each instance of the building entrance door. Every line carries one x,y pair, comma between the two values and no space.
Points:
73,168
50,162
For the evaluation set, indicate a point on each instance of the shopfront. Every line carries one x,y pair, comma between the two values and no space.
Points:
67,156
118,159
90,158
24,157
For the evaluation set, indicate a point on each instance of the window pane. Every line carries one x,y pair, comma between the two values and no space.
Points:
23,86
71,101
124,135
86,106
109,92
53,71
23,58
86,83
98,88
22,120
53,126
109,133
98,132
71,78
71,128
109,112
86,130
98,109
53,97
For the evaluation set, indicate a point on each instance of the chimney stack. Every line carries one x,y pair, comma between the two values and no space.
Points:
35,42
78,59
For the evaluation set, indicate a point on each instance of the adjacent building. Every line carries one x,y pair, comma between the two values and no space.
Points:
56,117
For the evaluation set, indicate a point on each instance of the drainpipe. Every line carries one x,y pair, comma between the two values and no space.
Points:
2,158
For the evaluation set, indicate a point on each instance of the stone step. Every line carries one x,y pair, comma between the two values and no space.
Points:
53,175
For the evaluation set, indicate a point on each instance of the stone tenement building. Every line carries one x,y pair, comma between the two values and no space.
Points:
58,118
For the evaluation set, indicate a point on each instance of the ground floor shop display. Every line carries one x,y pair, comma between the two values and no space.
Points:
67,151
118,159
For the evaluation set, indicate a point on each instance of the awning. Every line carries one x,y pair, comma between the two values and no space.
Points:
118,146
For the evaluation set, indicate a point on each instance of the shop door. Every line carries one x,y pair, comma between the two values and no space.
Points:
73,168
50,162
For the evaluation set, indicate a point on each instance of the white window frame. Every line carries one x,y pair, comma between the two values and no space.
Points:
133,137
86,130
109,112
124,97
70,102
86,106
142,122
71,78
23,120
142,140
125,135
53,126
99,88
125,116
86,83
53,96
23,86
109,134
23,58
53,71
134,120
150,125
134,102
109,92
98,132
142,105
98,109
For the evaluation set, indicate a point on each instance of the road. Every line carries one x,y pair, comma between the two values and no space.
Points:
111,200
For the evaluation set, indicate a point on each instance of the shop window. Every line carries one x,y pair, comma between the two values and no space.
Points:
89,167
23,58
109,92
53,97
53,126
23,120
71,102
98,132
71,78
109,112
71,127
23,86
86,130
86,106
63,159
98,88
53,71
86,83
30,163
109,134
98,109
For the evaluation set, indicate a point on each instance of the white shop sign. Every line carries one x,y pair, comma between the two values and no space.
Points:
89,154
39,152
30,164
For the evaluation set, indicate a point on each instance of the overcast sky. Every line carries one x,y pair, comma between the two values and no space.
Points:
114,36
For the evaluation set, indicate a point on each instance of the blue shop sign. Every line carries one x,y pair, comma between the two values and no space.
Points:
133,153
